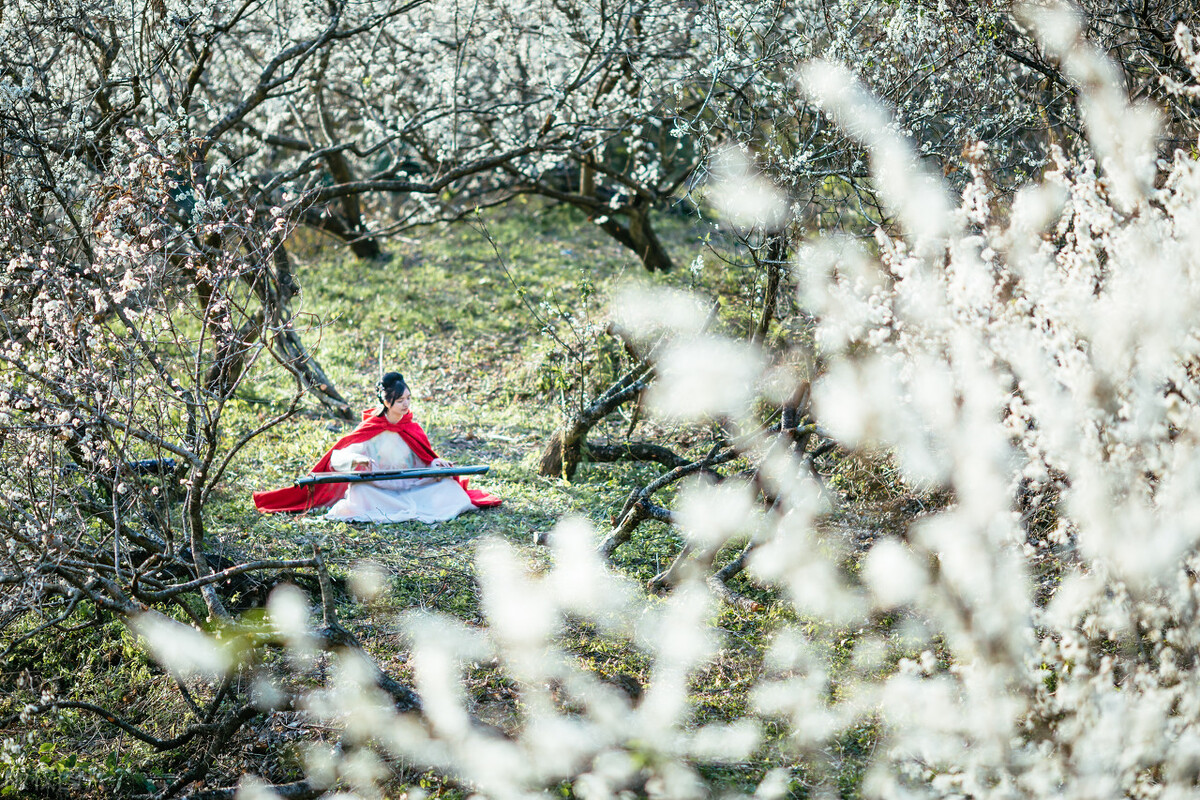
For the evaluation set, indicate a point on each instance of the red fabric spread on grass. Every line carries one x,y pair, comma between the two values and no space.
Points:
303,498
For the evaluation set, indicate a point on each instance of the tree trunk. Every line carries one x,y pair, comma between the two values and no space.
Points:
564,450
285,277
230,358
775,262
587,175
649,249
562,453
640,237
361,243
291,352
274,291
638,234
349,226
634,451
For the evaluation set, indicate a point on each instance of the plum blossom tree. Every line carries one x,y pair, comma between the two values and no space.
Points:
127,332
1032,356
740,112
1039,355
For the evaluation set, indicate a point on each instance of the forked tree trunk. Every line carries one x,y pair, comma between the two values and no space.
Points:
639,236
275,290
347,226
565,448
361,243
232,350
292,352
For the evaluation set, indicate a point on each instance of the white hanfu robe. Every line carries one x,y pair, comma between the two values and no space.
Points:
420,499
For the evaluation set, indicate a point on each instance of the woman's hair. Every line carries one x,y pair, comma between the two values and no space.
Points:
390,387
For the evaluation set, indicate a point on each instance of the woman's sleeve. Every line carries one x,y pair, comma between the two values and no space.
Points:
343,460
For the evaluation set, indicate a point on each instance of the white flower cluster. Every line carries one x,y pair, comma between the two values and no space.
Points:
1043,348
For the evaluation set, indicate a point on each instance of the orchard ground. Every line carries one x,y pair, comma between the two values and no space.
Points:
493,341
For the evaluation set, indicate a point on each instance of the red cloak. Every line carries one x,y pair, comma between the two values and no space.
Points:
303,498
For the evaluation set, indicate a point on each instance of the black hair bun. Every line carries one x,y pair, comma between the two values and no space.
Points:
391,386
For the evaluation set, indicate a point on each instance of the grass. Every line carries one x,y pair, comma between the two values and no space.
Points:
479,334
483,375
489,386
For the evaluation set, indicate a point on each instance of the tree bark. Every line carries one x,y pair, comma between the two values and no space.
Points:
647,246
229,360
564,451
587,175
634,451
639,508
361,243
775,263
639,236
290,351
640,505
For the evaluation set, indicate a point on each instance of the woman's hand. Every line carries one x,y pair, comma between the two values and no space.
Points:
360,463
440,462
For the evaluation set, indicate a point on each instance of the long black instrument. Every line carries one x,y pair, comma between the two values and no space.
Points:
313,478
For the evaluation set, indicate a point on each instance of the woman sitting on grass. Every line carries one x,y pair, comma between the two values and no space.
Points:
387,439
